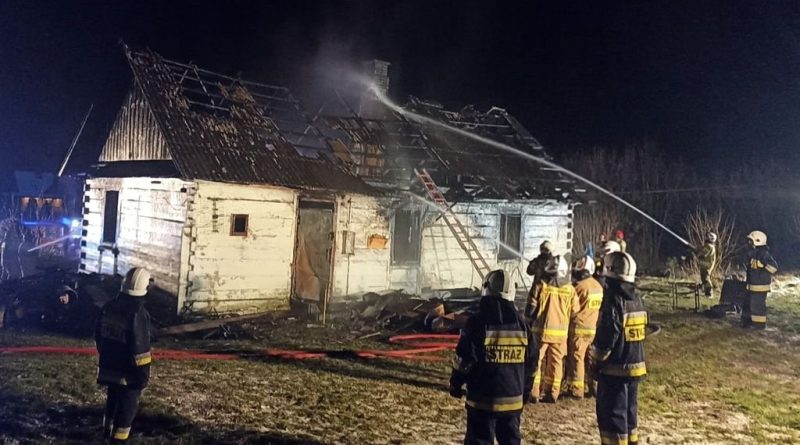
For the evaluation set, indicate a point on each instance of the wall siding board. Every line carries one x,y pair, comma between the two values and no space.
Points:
135,135
151,218
240,273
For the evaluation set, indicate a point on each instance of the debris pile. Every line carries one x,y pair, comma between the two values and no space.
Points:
441,311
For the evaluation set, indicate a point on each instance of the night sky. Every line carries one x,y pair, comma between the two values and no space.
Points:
705,80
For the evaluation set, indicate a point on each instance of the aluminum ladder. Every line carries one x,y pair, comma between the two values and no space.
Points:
458,229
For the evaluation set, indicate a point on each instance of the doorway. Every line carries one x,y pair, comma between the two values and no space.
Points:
313,251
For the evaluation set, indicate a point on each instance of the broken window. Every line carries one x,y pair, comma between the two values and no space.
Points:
111,217
510,230
406,236
239,225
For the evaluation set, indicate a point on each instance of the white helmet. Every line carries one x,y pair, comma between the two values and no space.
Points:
584,263
711,237
610,246
758,238
136,282
546,246
496,282
620,265
557,266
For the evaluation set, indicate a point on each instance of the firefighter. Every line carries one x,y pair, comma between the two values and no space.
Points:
706,261
582,327
619,237
537,265
123,343
551,305
760,268
617,352
606,248
495,359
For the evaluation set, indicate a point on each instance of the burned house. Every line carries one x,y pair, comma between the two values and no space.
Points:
237,199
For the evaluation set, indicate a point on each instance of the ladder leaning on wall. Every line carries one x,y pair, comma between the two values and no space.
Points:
458,229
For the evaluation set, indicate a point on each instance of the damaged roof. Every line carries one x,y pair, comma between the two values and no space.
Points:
220,128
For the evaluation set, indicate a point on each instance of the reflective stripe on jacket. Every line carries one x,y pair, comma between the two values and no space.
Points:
122,336
590,296
551,308
760,268
618,346
496,357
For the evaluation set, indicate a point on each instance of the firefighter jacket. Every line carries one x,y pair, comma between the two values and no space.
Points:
707,256
590,296
496,358
122,335
537,265
551,306
618,347
760,268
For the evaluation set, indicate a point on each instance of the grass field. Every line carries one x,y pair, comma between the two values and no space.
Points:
710,383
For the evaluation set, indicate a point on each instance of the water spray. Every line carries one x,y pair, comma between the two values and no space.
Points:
424,119
50,243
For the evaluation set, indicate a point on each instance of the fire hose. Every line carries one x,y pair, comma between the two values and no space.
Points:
421,347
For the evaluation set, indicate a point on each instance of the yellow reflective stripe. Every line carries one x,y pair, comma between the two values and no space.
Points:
505,341
633,435
630,370
552,381
122,433
559,332
759,287
758,318
607,438
143,359
490,333
585,331
497,404
771,269
576,383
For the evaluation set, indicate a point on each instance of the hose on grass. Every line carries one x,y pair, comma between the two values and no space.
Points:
421,347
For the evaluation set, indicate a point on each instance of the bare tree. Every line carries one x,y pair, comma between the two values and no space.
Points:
702,221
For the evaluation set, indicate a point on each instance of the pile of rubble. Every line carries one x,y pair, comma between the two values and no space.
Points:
438,311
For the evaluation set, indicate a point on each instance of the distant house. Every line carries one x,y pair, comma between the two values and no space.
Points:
237,200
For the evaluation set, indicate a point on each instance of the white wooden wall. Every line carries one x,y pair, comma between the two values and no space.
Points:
234,273
152,212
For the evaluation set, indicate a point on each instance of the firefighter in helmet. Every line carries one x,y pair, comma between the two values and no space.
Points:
707,261
617,352
619,237
606,248
582,327
760,269
495,359
123,343
537,265
551,304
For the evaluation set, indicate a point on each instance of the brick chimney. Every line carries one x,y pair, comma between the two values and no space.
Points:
378,72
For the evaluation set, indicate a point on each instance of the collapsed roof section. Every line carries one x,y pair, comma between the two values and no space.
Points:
386,151
221,128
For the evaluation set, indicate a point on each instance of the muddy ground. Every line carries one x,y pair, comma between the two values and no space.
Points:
710,383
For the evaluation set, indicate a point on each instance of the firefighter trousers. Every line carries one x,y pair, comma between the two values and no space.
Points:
616,410
754,310
705,279
547,382
577,375
121,405
483,428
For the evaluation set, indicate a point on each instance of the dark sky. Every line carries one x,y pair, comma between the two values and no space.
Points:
706,80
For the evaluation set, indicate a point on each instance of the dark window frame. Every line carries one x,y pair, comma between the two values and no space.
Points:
233,231
110,226
410,250
509,220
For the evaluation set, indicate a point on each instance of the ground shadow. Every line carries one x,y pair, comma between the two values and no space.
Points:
31,420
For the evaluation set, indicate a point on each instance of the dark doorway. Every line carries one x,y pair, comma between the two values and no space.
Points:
313,251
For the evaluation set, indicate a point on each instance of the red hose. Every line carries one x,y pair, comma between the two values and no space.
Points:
423,346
